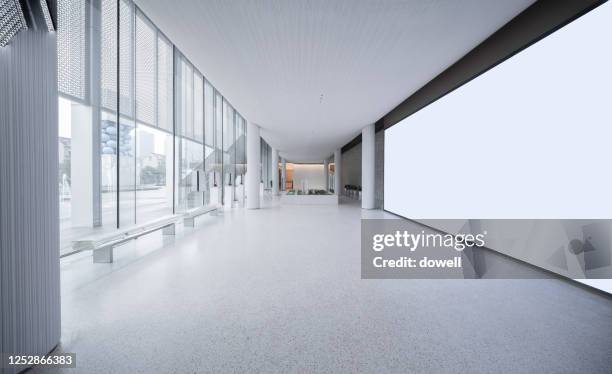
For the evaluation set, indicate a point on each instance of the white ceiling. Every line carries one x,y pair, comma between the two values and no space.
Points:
313,73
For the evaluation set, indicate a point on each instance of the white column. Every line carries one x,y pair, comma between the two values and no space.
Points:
368,144
253,161
169,156
326,174
274,167
81,167
338,172
283,174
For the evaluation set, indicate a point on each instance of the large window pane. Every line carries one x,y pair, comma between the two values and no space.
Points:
198,130
190,152
209,146
108,118
108,168
86,179
75,170
228,153
153,173
154,147
239,150
216,192
266,159
127,128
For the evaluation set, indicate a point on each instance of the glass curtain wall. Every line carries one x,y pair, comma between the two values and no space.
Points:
240,157
126,133
266,160
210,161
189,136
154,148
125,157
229,156
107,130
218,174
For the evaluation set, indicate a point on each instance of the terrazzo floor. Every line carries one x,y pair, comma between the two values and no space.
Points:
279,290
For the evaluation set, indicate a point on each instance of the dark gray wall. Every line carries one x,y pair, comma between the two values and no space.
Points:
379,170
351,166
29,226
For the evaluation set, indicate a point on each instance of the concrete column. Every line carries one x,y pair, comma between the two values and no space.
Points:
169,156
283,174
30,322
253,161
95,25
326,173
274,168
338,172
368,145
81,167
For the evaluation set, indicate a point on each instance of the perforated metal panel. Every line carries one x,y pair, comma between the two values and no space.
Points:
126,58
185,104
164,83
198,107
108,63
209,119
72,48
145,70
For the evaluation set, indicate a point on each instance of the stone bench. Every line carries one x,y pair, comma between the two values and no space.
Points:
103,245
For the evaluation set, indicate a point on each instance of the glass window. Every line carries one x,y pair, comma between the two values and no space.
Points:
228,153
190,152
198,132
154,147
209,144
75,170
153,173
82,174
153,136
240,158
108,168
107,126
217,192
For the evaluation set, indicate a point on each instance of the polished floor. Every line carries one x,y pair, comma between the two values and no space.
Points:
279,290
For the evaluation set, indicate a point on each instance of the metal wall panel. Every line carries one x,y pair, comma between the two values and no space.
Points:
29,227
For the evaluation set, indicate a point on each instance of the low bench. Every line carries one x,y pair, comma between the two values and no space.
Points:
103,245
190,216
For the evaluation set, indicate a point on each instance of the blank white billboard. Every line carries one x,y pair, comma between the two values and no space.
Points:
530,138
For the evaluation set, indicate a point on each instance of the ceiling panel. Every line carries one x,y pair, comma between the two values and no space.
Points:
313,73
